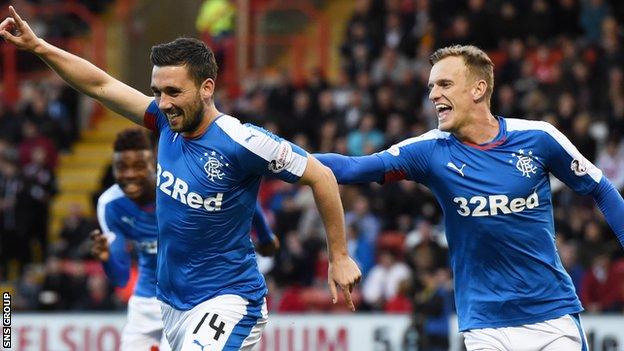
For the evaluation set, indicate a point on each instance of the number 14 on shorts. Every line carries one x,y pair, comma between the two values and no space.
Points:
214,323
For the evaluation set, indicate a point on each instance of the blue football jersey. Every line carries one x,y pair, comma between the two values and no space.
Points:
122,220
498,215
205,200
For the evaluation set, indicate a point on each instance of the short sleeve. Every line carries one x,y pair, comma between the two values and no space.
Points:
566,163
153,118
264,153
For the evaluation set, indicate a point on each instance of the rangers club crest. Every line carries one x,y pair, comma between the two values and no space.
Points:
213,166
524,162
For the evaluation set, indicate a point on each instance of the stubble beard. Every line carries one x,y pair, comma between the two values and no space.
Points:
194,120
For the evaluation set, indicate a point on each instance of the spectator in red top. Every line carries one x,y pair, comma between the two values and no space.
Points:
598,292
41,187
401,302
32,138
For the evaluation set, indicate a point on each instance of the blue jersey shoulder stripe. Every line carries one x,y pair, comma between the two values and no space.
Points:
514,124
260,143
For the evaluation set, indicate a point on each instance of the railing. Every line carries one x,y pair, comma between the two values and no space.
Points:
94,48
250,48
302,45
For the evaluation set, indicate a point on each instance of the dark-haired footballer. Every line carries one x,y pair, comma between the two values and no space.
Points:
126,213
208,174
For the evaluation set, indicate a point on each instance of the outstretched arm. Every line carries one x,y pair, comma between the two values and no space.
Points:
79,73
352,169
611,204
342,269
571,167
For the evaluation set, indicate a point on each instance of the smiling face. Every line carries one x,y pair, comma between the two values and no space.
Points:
134,172
451,92
179,97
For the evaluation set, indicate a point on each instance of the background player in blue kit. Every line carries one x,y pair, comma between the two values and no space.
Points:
490,175
208,174
126,213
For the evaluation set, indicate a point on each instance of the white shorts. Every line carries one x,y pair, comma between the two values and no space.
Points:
560,334
144,329
226,322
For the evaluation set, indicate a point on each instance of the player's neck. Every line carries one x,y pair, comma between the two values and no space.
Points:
481,129
210,115
146,200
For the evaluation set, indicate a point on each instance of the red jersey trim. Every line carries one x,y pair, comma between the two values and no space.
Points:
394,176
486,146
149,121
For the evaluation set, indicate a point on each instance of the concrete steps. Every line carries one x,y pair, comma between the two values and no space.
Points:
79,172
337,12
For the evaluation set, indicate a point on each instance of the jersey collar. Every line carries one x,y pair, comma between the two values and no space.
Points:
208,127
500,138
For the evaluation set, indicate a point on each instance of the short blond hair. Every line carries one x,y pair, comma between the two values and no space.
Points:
479,64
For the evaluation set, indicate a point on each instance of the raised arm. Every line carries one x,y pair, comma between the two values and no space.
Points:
77,72
342,269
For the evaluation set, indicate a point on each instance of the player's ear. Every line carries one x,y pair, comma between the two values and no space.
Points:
478,90
207,89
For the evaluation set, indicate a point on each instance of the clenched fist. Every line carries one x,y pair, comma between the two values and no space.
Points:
99,249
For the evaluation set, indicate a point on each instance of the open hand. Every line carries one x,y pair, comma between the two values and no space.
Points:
344,273
99,249
17,32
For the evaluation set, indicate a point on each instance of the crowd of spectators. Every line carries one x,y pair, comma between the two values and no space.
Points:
567,71
32,133
46,18
44,123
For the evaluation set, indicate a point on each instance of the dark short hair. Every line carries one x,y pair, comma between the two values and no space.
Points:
190,52
132,139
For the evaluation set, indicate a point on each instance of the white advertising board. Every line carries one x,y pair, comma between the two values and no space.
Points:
308,332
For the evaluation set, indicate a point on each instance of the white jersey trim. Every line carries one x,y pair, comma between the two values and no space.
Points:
108,196
430,135
515,124
264,146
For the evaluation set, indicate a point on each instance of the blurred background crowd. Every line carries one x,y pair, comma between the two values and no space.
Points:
561,61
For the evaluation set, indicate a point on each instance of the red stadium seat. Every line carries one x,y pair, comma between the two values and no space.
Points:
393,241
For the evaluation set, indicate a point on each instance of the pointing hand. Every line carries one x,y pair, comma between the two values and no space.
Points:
17,32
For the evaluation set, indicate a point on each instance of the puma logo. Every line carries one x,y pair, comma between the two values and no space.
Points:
200,345
459,170
128,220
